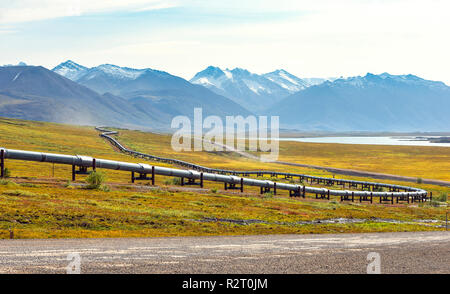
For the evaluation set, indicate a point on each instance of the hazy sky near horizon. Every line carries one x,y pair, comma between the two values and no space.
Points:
320,38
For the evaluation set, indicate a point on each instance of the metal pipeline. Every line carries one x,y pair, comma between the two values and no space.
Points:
85,161
269,184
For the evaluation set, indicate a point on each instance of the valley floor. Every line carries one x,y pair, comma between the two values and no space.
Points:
39,201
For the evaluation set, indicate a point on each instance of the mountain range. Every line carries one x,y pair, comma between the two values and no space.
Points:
255,92
149,98
369,103
35,93
152,99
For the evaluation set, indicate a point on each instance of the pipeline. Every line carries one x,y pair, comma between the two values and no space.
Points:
231,176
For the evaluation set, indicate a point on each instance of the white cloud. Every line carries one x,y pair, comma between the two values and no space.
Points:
16,11
319,38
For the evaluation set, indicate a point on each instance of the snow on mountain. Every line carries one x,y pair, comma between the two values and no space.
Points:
386,80
212,77
372,102
75,72
70,70
286,80
254,92
115,72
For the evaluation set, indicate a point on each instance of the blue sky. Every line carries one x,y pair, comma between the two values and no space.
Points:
321,38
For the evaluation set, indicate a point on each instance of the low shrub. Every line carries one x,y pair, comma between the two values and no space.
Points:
95,180
173,181
268,195
443,197
7,182
434,203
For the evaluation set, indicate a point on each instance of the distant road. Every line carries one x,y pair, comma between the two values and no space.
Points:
418,252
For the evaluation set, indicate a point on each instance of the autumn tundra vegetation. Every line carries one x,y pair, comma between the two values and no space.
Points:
38,200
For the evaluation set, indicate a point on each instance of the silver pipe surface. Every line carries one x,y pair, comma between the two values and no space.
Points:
86,161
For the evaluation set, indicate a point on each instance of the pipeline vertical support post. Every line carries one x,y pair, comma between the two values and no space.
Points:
93,164
328,196
73,172
153,175
242,185
182,181
431,196
201,180
371,197
353,196
2,163
275,188
392,198
304,191
225,186
132,176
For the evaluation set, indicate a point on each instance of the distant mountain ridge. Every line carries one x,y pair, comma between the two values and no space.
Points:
35,93
368,103
255,92
155,93
148,98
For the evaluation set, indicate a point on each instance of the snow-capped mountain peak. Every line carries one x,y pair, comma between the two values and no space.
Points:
251,90
75,71
118,72
70,69
286,80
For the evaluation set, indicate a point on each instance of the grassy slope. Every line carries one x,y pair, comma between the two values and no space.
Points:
46,208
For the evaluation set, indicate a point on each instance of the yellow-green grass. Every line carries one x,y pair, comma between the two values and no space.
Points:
413,161
54,211
159,144
46,209
68,139
56,138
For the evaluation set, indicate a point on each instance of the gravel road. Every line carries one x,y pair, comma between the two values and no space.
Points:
418,252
